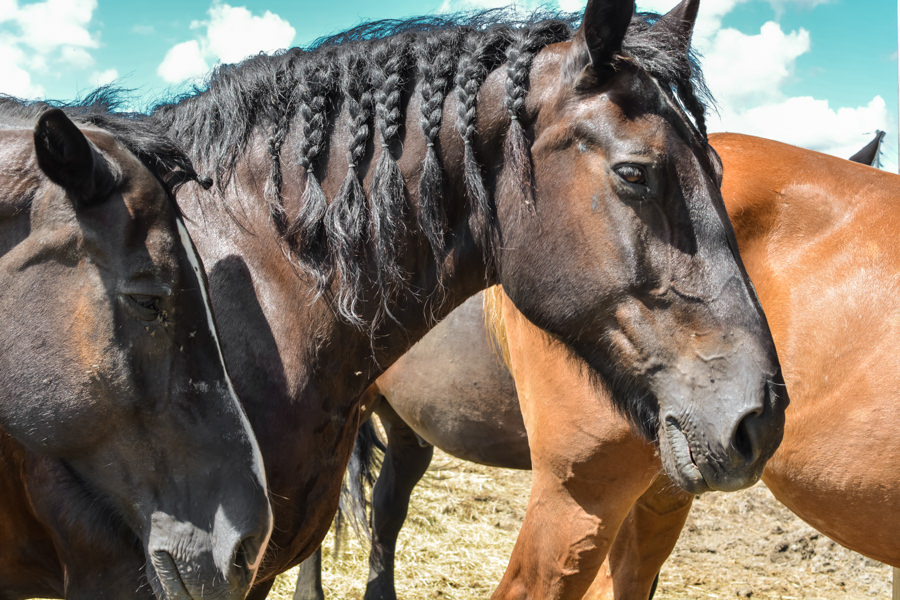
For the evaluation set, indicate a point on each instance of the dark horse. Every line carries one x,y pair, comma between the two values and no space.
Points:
127,466
350,215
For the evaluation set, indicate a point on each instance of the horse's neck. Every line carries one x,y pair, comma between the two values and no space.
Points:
430,297
238,227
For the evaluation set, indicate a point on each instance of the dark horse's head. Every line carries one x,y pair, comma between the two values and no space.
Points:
629,258
110,370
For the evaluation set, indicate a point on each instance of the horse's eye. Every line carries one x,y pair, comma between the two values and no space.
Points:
633,174
145,308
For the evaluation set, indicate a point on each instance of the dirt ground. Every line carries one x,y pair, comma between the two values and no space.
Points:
464,518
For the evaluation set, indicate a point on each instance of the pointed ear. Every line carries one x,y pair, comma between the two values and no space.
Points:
603,29
64,154
680,24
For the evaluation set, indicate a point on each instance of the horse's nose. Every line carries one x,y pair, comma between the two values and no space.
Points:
246,557
748,439
218,562
239,544
753,439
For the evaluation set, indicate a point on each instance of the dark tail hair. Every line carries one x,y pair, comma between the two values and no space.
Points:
362,470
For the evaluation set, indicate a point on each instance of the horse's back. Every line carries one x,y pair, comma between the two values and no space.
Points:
454,390
823,254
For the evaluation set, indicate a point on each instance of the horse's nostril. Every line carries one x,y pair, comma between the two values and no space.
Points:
745,439
245,557
241,559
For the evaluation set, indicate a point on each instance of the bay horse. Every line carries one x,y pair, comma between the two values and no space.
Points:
806,226
349,215
127,466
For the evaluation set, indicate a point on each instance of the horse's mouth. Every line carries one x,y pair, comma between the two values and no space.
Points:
678,460
167,580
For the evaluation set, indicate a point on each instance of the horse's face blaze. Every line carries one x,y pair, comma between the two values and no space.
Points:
648,287
123,386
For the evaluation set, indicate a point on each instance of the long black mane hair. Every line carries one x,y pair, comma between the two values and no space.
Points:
370,74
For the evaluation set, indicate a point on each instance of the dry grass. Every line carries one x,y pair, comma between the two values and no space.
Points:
463,521
461,528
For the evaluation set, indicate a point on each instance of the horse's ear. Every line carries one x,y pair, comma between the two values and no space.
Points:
868,154
64,154
603,29
680,24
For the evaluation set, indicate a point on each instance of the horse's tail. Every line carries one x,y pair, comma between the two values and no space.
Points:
362,470
494,324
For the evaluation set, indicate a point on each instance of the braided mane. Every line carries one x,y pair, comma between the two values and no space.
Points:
371,71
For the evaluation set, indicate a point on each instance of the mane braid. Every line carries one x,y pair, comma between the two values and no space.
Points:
527,42
308,233
388,201
481,54
437,65
285,96
347,215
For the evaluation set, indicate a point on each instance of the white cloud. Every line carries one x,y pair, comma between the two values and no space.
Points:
99,78
231,34
810,123
741,68
8,9
76,57
235,33
14,79
57,24
572,5
43,37
183,61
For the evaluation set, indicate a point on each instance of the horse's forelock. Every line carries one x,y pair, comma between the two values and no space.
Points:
660,53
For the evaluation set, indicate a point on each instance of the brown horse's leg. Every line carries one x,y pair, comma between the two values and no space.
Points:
643,543
589,468
405,462
309,578
569,527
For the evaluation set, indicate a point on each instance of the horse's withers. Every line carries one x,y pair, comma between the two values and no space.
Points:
111,378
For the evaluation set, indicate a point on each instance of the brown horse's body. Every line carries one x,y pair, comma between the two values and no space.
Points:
817,236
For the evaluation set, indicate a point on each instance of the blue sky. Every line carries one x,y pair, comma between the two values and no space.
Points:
817,73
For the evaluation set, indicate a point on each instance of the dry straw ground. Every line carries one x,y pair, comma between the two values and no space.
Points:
464,518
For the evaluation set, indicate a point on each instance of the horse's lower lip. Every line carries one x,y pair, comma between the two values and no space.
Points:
168,577
687,475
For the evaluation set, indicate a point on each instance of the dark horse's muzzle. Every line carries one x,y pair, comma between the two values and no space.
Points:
726,422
